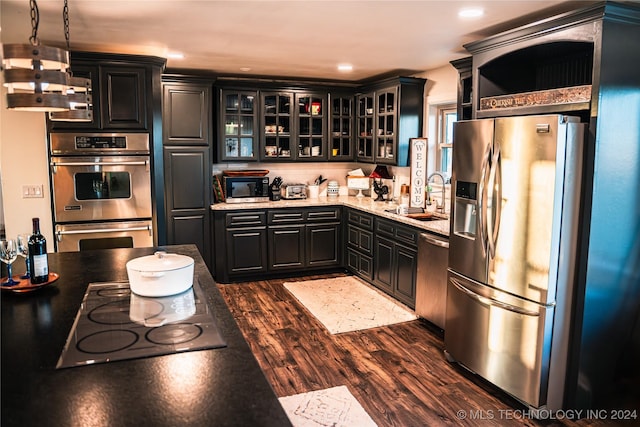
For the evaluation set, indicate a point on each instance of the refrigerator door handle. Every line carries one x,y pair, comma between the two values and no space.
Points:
491,302
495,182
482,202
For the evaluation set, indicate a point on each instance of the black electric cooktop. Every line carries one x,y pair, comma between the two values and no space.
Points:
113,324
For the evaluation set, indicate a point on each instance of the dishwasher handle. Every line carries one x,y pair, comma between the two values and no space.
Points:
435,241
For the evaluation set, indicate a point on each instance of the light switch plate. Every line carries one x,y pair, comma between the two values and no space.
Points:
32,191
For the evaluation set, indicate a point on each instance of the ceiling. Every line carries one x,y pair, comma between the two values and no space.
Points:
296,38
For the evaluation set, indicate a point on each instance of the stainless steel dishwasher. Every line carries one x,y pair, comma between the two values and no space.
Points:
431,283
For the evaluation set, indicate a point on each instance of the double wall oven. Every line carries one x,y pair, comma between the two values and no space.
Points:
101,190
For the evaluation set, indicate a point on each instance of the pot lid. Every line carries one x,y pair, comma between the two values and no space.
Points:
160,261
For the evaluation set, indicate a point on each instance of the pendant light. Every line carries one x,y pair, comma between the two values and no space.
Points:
78,90
36,76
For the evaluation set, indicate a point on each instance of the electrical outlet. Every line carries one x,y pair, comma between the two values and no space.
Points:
32,191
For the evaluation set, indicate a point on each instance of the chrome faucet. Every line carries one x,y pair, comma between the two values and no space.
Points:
439,206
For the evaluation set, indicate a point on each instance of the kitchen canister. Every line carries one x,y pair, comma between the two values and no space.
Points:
333,189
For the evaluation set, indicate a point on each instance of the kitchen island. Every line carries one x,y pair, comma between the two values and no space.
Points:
221,387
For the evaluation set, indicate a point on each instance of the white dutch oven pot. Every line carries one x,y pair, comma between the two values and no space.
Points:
161,274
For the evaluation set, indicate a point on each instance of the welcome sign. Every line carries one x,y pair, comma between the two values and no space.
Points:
418,153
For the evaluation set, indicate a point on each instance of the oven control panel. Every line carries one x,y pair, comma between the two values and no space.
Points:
103,144
85,142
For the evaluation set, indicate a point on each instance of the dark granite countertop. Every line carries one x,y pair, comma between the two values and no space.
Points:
217,387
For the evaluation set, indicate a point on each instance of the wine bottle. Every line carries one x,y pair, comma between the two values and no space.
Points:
39,264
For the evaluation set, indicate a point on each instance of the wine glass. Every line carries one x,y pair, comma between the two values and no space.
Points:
23,251
8,254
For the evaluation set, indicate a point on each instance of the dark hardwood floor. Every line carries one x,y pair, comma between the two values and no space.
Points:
398,373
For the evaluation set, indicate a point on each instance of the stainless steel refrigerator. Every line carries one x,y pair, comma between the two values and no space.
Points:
516,195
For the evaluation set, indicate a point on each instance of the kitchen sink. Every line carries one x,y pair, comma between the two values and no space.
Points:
420,215
426,217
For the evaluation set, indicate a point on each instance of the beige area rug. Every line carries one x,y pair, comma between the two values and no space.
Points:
345,304
334,407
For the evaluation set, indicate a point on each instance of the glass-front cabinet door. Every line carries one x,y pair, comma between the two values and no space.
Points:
239,120
340,137
277,115
386,103
311,123
365,122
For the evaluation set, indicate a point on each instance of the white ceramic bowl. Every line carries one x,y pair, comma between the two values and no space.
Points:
161,274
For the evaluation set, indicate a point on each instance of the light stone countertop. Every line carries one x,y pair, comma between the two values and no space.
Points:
366,204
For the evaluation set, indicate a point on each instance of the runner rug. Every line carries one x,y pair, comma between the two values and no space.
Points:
346,304
334,406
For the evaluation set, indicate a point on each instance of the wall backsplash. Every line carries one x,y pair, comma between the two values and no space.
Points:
306,173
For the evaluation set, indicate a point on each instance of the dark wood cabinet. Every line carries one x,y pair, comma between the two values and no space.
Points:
123,100
121,92
286,247
465,81
187,193
294,125
238,124
396,260
242,243
341,129
388,115
276,241
305,238
359,235
187,114
323,245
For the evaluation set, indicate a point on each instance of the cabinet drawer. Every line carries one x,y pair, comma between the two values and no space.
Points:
245,219
360,219
399,233
319,215
407,235
285,216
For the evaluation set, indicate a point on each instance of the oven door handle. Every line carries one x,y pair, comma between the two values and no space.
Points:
54,165
61,233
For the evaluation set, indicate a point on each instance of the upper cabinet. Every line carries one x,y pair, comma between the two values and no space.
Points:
277,125
341,127
311,121
121,90
238,125
291,121
294,125
186,113
465,81
389,114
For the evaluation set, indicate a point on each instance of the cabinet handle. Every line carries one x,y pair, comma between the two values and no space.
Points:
436,242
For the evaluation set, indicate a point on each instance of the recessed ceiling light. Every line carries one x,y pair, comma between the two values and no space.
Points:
345,67
471,12
175,55
245,69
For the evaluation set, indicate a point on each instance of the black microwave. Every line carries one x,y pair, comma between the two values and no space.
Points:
245,189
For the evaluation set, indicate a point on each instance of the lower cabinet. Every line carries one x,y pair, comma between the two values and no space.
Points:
251,244
396,260
246,250
286,247
360,244
323,245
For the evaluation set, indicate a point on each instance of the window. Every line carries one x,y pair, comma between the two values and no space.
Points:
447,115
